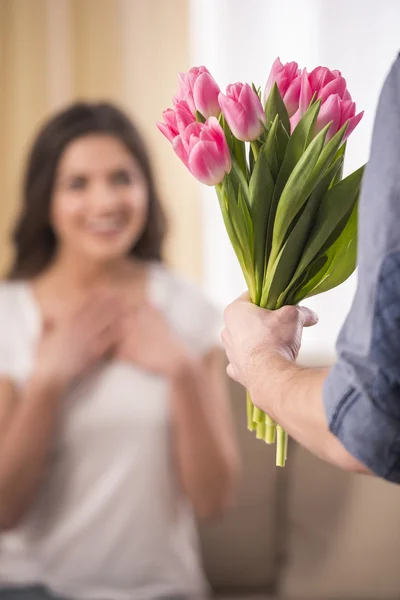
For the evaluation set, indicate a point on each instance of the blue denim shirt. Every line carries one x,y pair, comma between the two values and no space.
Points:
362,391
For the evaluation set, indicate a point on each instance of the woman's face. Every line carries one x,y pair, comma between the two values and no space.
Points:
100,199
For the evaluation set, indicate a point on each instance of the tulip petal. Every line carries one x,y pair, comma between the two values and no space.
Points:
277,72
185,92
330,111
353,122
217,134
348,111
292,96
169,117
235,116
205,163
347,96
179,148
319,77
251,103
294,121
238,118
315,78
205,95
283,76
292,70
184,118
336,86
166,130
233,91
191,133
306,93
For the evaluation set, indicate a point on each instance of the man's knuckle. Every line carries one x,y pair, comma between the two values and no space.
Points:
290,313
227,312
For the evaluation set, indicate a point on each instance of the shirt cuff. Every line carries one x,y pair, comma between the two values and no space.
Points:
367,433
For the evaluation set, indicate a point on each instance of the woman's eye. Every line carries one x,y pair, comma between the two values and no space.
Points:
77,183
122,178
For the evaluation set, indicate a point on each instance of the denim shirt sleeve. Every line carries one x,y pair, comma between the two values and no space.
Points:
362,391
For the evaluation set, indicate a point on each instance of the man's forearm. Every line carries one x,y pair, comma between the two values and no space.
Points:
292,396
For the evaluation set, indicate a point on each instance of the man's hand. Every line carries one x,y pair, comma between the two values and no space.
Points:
253,336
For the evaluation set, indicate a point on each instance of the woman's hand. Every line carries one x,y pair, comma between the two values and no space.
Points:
147,340
203,439
70,347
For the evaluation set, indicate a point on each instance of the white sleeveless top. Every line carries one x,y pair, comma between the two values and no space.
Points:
110,521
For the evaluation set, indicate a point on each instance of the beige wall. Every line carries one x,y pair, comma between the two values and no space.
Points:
128,51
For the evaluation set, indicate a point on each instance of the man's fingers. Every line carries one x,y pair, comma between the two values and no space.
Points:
233,307
307,316
224,336
231,372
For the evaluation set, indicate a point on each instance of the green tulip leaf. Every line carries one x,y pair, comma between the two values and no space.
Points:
280,276
261,189
341,256
237,177
296,145
276,106
282,138
290,149
297,190
340,152
236,229
333,214
270,148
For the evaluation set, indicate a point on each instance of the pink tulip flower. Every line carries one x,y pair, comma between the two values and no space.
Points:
287,78
200,91
243,111
202,147
175,120
336,103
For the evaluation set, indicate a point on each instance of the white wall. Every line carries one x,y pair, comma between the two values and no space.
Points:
238,40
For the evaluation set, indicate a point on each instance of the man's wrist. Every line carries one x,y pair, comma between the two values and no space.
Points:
271,381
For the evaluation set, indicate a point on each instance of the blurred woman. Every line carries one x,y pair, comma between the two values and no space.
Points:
115,429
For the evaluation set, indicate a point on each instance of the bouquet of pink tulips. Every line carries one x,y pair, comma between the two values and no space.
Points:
276,161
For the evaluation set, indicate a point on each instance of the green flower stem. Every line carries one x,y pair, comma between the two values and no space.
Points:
255,150
264,425
251,426
281,446
270,431
252,288
240,153
286,444
270,434
258,415
261,430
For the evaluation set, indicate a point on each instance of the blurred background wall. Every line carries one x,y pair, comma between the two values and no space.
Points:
127,51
